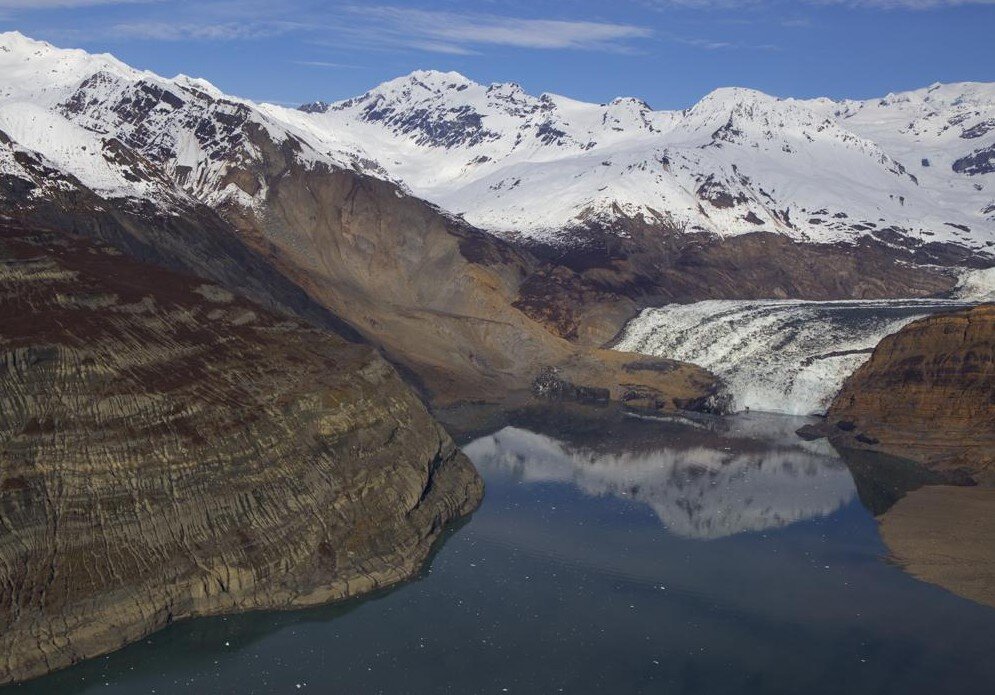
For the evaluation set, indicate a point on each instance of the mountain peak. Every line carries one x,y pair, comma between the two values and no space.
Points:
37,70
630,102
429,75
199,84
433,80
737,95
10,39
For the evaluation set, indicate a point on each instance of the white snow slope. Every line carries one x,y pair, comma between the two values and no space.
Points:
126,133
919,165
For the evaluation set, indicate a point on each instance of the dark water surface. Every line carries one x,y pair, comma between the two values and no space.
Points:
611,555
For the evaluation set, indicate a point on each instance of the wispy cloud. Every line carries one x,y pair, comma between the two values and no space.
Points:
383,26
904,4
712,45
871,4
225,31
64,4
328,64
461,33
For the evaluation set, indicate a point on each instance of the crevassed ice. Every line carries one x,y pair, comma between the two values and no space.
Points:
977,286
783,356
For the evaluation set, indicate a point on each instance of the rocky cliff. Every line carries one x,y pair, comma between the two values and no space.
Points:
169,450
927,394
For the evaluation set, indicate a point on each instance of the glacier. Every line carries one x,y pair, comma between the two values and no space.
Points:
780,356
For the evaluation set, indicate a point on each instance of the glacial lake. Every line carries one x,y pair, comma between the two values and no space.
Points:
612,554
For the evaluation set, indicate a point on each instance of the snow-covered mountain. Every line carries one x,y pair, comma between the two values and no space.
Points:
918,164
907,169
126,133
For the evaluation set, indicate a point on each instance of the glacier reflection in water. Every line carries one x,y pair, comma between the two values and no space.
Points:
696,491
784,356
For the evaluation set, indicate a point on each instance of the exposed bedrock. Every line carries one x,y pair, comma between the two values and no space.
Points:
169,450
916,425
927,394
587,291
436,294
356,255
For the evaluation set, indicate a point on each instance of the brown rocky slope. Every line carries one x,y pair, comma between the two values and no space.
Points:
169,450
356,255
437,295
916,425
927,394
466,315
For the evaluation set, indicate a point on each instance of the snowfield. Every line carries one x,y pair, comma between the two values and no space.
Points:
976,286
736,162
917,166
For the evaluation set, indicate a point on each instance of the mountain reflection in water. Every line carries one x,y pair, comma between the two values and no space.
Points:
565,580
696,491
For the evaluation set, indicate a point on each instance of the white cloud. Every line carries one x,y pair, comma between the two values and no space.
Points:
904,4
872,4
456,32
64,4
327,64
226,31
710,45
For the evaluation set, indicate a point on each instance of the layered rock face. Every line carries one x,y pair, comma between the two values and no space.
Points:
169,450
927,394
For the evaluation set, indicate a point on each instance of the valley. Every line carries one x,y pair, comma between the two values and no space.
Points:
727,372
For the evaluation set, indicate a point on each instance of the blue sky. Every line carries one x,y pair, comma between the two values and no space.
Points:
669,52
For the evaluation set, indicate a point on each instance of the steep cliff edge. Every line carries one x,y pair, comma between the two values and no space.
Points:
169,450
927,394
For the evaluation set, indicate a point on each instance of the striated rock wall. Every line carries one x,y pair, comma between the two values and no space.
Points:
188,237
927,394
169,450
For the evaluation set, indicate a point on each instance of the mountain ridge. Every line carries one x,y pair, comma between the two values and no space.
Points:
323,202
499,153
908,169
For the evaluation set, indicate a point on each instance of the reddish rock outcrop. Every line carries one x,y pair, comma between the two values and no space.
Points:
927,394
